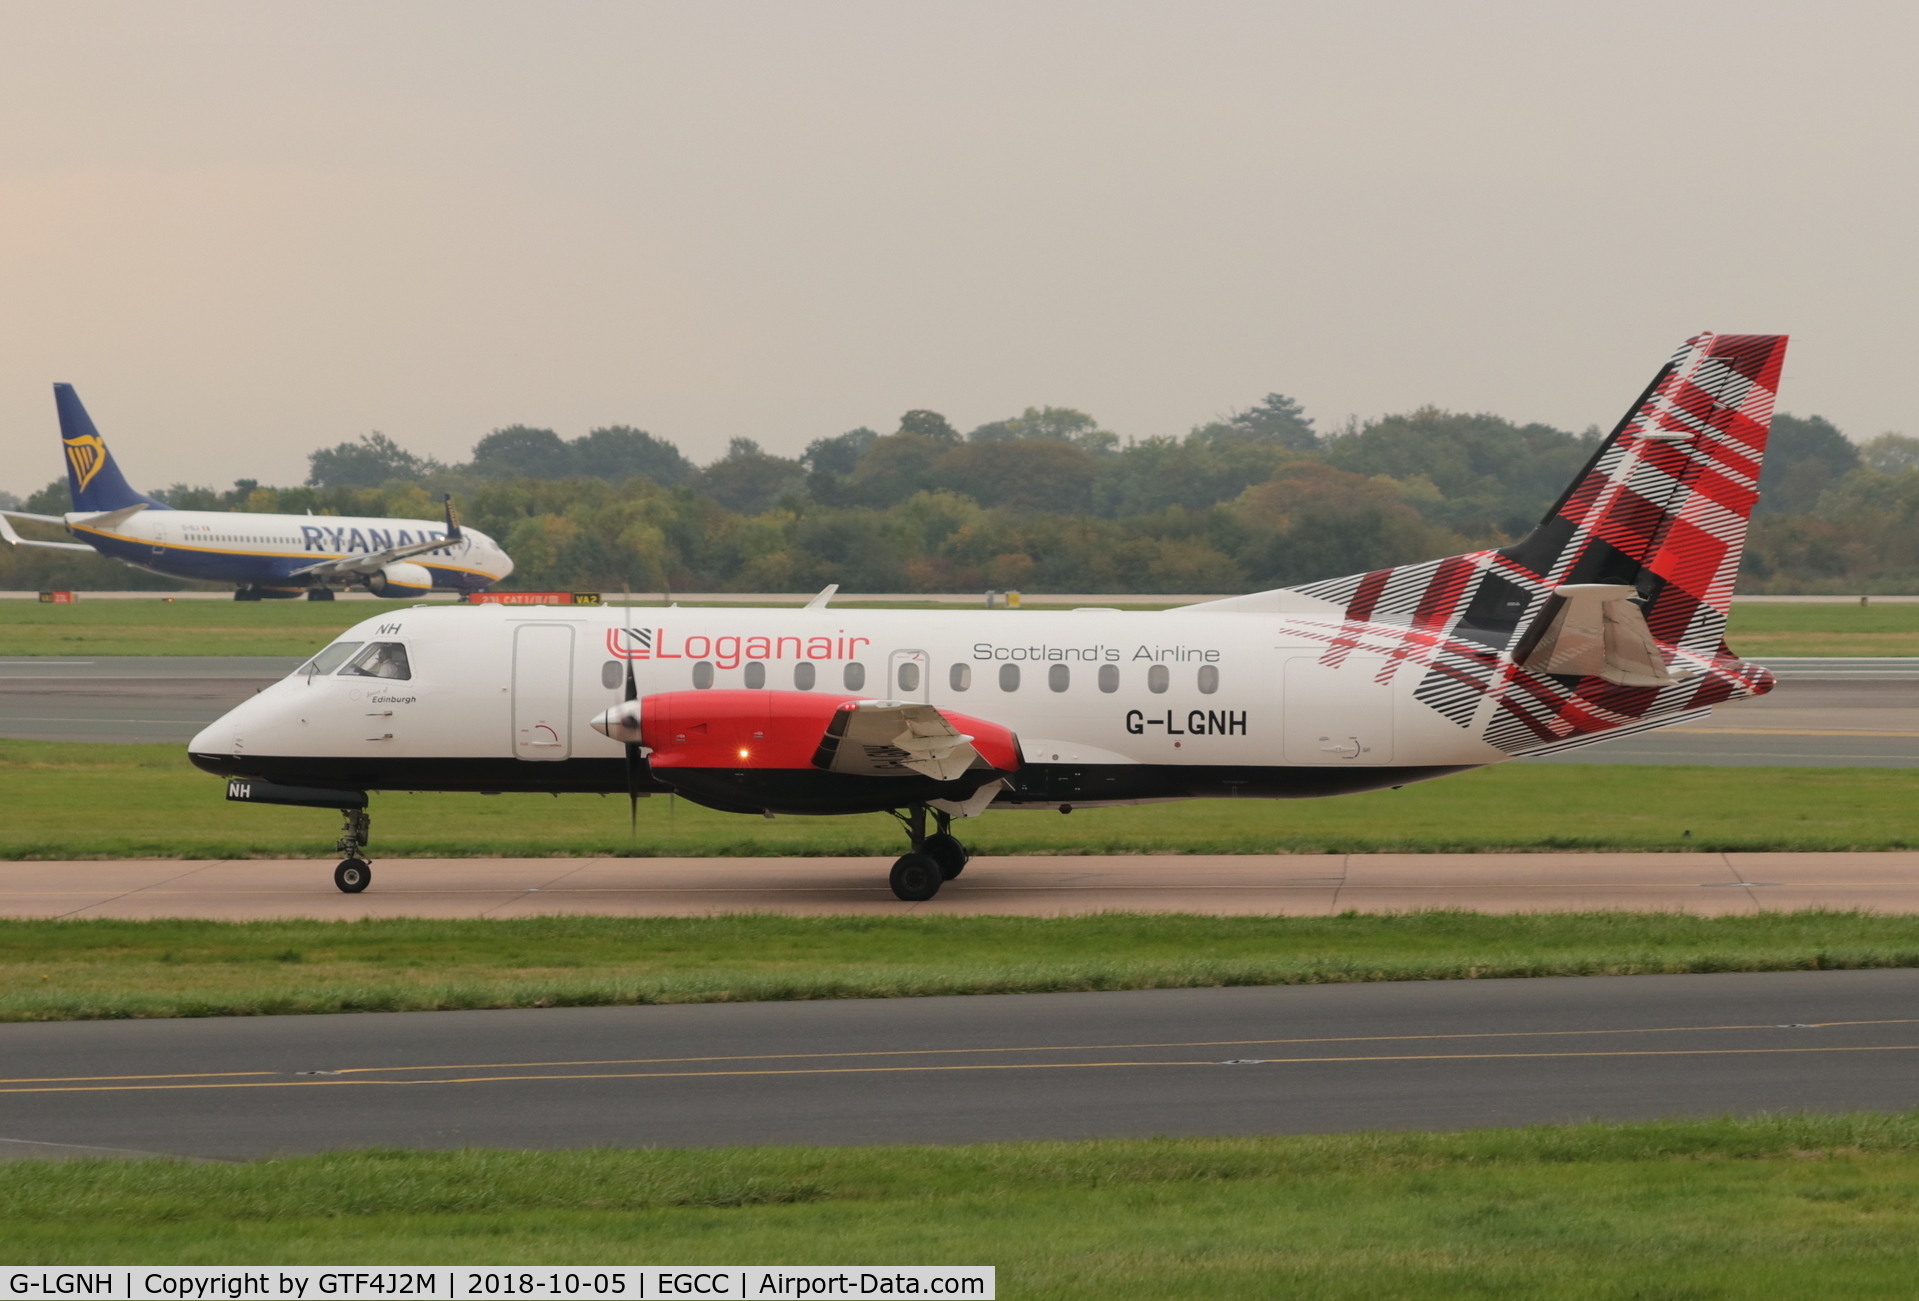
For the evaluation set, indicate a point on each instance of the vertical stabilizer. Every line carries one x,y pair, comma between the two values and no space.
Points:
1612,613
1664,506
92,477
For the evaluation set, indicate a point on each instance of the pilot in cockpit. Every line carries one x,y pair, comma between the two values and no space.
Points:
383,659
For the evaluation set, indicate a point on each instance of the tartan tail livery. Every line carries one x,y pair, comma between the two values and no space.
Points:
1610,616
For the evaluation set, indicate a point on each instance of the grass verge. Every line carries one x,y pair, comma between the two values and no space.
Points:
1775,1207
52,795
106,969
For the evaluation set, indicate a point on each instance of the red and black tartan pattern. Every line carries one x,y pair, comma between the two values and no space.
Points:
1663,506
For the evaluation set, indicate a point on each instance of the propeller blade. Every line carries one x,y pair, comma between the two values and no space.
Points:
632,753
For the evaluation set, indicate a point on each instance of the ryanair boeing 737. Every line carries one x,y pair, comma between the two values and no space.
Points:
264,556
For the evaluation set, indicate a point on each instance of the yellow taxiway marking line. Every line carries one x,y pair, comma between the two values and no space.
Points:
1095,1048
1002,1066
178,1075
948,1052
1775,731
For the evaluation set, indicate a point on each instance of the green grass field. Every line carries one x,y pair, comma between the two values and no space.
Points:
52,794
1779,1208
160,627
108,969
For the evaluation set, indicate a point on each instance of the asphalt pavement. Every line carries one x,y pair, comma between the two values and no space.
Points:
1029,885
1835,716
128,699
1432,1055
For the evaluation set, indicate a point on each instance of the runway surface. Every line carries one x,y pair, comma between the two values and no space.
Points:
1825,713
1261,884
1306,1059
128,699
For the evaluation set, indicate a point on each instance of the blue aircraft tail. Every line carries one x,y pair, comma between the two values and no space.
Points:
93,478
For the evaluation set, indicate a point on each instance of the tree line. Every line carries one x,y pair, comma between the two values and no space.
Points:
1049,500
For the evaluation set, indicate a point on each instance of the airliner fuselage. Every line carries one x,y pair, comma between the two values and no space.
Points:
275,551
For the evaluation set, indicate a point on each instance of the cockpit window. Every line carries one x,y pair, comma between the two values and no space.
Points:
381,659
331,658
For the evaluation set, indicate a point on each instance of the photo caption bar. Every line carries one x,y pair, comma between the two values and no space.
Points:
479,1283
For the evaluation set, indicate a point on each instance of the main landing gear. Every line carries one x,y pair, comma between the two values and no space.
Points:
354,873
933,860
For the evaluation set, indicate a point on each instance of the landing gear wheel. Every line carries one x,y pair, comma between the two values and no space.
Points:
353,875
915,878
947,852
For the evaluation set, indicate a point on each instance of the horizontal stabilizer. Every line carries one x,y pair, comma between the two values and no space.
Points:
1595,630
8,535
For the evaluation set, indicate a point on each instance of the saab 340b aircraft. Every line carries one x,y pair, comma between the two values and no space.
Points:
265,556
1607,619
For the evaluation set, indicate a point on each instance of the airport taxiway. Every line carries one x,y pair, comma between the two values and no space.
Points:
1428,1055
129,699
1313,885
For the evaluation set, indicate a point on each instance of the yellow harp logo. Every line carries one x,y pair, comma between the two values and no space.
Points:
86,454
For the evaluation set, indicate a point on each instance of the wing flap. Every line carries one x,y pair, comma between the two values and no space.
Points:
892,738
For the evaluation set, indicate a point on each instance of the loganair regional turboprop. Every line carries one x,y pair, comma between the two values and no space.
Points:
1607,619
265,556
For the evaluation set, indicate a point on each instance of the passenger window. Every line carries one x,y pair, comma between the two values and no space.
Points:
909,677
855,677
703,675
1109,678
381,659
1009,677
804,675
755,675
1158,678
611,674
1209,679
1058,678
961,677
331,658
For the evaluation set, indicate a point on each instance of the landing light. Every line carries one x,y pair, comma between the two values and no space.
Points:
742,754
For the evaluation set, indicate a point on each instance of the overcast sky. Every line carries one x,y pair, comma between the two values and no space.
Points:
248,230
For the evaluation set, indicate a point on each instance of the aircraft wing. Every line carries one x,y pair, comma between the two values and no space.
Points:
373,562
37,519
878,738
7,534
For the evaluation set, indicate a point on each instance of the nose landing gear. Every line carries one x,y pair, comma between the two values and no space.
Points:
933,860
354,873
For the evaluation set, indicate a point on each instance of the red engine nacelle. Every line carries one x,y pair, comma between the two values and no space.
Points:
772,729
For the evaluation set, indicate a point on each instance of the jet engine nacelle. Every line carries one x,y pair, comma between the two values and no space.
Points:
400,580
810,752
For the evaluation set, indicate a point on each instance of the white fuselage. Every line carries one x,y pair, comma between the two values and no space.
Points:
1095,689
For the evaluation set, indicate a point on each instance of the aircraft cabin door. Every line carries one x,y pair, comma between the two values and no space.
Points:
1339,715
906,675
543,691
